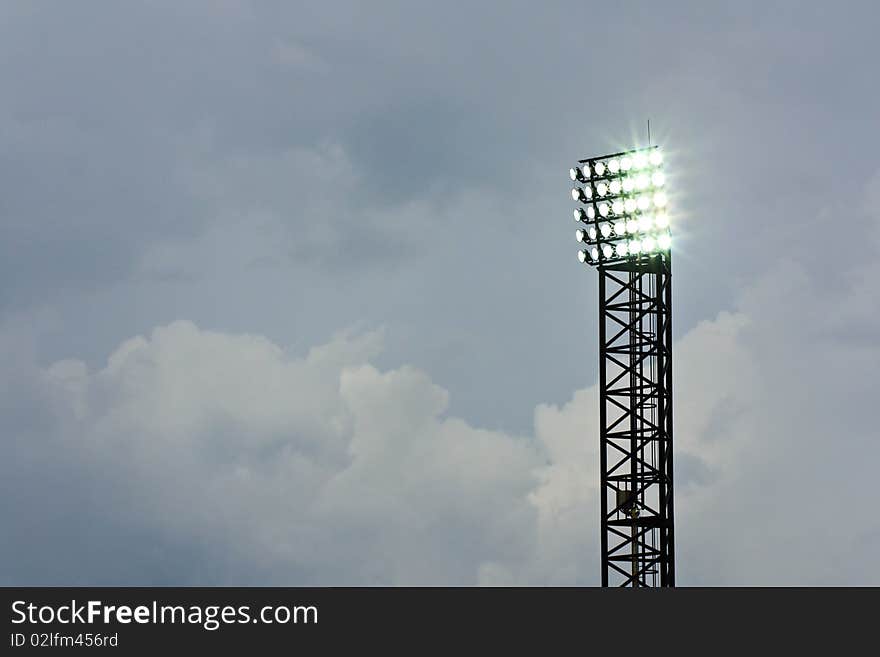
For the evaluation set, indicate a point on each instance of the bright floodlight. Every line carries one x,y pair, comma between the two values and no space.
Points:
582,256
623,212
581,194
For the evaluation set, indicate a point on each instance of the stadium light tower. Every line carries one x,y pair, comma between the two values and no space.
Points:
623,224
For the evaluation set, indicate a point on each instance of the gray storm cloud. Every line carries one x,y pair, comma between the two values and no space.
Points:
203,457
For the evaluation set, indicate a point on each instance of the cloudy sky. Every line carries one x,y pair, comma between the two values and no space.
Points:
289,295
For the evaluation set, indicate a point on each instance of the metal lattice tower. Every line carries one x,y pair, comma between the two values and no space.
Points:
630,247
635,417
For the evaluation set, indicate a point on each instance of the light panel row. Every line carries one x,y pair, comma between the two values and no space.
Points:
646,245
643,224
619,187
615,166
621,207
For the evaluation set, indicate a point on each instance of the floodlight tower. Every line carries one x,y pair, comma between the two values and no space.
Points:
623,222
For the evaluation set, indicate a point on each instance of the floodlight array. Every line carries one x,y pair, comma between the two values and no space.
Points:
622,208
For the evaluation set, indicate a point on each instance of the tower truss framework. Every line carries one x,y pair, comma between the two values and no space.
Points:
635,397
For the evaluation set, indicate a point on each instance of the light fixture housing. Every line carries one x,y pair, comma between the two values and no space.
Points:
625,206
